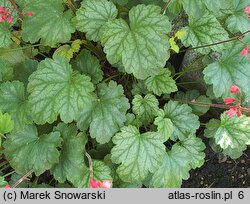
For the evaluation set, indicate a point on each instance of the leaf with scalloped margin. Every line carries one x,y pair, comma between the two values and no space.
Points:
162,83
49,22
142,46
139,154
174,168
106,114
145,108
238,20
232,68
56,90
92,15
26,151
231,134
202,31
184,121
89,65
13,100
71,162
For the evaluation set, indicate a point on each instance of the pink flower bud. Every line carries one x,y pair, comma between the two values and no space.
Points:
229,100
244,52
94,184
2,8
231,111
234,89
7,186
106,184
247,10
29,13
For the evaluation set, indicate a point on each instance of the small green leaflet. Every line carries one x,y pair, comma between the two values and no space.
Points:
183,119
26,151
92,15
49,22
162,83
142,46
89,65
231,69
6,123
138,153
145,108
202,31
55,89
106,114
13,100
231,134
71,162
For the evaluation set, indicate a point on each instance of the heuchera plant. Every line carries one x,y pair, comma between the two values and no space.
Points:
92,94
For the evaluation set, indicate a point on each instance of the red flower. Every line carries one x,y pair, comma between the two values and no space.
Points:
229,100
247,10
238,112
234,89
232,110
2,8
98,184
29,13
7,186
95,184
244,52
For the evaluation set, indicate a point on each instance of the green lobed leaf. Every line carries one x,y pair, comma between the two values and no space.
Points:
174,168
162,83
142,46
92,15
56,90
49,22
13,100
138,153
232,68
194,148
202,31
89,65
71,162
106,114
184,121
194,96
231,134
27,152
6,123
145,108
238,20
164,125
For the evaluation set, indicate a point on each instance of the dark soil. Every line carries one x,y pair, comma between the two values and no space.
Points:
219,173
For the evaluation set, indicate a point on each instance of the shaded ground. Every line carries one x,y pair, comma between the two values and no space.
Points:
225,174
